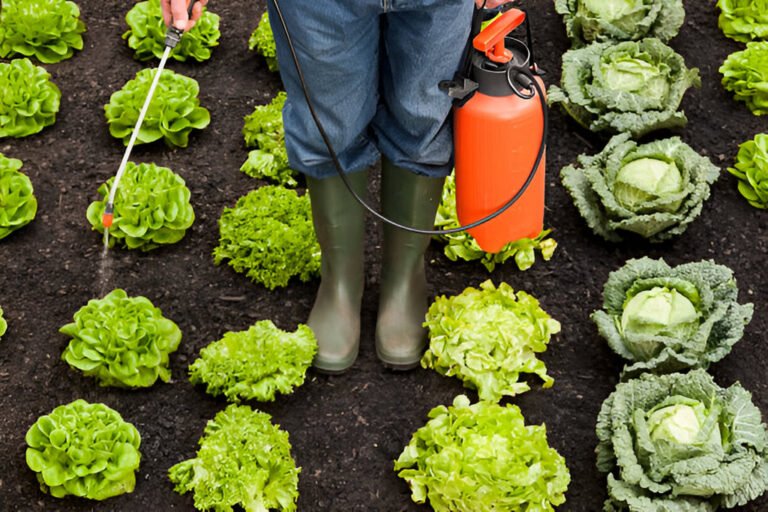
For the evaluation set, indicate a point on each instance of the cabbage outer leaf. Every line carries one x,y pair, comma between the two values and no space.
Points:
263,41
745,73
752,170
29,101
18,205
744,20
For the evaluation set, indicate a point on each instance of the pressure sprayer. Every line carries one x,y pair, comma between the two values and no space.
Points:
500,135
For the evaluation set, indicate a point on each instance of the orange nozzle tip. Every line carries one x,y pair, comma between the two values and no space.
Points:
106,220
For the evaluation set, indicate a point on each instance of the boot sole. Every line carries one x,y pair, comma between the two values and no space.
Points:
334,367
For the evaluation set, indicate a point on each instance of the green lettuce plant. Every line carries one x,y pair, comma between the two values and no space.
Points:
174,112
18,205
462,245
588,21
121,341
146,34
751,168
3,324
634,86
255,364
264,129
488,337
243,461
680,442
483,457
152,208
744,20
263,41
48,30
654,190
85,450
269,236
29,101
665,319
745,73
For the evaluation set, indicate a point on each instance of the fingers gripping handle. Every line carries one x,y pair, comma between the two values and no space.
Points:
173,34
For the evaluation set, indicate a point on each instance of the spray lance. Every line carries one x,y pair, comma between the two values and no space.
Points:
172,37
500,136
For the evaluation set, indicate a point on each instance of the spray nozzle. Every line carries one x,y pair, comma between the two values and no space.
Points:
108,216
173,34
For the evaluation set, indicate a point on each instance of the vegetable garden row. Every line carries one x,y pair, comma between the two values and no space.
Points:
675,430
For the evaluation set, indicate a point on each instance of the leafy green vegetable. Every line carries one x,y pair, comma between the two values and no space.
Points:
752,170
744,20
463,246
681,443
18,204
146,34
49,30
174,112
29,101
255,364
633,87
482,457
665,319
269,236
121,341
3,324
264,129
487,338
152,208
745,73
84,450
654,190
243,460
588,21
263,42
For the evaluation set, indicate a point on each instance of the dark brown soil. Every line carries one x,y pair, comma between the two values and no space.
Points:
345,430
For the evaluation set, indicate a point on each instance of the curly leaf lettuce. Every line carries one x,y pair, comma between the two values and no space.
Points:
588,21
462,245
680,442
264,129
654,190
745,73
255,364
18,205
665,319
48,30
121,341
173,113
29,101
269,236
3,324
752,170
152,208
744,20
482,457
488,338
634,86
244,460
146,34
263,42
85,450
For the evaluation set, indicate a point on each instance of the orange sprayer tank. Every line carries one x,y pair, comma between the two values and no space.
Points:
497,138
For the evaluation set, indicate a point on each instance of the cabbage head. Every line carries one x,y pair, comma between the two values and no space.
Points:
121,341
634,86
654,190
18,205
482,457
263,129
29,101
752,170
152,208
263,41
146,34
85,450
665,319
244,461
680,442
172,115
745,73
588,21
744,20
48,30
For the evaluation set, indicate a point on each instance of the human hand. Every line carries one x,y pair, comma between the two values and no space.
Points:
490,4
176,11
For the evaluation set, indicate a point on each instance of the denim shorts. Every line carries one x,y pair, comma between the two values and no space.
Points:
373,68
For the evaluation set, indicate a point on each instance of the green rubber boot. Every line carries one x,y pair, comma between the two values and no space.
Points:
412,200
340,227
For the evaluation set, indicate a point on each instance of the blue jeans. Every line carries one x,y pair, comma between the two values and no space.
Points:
373,68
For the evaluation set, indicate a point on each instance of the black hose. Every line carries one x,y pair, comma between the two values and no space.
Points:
342,174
